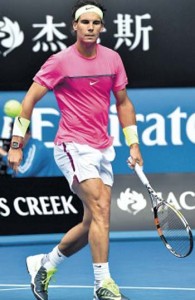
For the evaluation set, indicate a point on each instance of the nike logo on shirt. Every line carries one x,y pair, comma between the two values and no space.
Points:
93,82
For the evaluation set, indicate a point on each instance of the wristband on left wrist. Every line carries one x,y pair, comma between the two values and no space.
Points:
131,135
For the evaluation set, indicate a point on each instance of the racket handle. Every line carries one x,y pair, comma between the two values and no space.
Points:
140,173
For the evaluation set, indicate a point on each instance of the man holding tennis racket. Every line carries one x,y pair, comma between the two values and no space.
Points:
82,78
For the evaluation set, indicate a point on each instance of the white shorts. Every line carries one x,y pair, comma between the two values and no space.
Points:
84,162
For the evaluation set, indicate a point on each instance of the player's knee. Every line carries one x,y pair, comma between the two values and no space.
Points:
87,222
101,212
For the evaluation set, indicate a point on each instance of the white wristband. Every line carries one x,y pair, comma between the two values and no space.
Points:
20,126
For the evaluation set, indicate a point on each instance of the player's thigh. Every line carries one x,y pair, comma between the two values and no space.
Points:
93,192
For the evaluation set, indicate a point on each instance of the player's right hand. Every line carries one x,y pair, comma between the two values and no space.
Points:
14,158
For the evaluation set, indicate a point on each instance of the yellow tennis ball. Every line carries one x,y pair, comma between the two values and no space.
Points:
12,108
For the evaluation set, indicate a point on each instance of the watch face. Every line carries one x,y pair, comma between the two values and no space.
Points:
16,145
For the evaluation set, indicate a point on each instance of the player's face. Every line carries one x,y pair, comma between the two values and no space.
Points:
88,27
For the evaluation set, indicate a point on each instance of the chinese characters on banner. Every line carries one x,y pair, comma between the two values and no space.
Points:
125,33
50,36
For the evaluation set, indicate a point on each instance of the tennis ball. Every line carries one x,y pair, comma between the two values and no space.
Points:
12,108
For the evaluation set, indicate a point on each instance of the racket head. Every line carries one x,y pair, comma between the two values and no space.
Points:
173,229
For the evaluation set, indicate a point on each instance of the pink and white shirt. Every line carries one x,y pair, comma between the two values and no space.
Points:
82,87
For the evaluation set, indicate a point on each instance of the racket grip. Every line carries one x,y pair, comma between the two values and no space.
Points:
139,171
141,174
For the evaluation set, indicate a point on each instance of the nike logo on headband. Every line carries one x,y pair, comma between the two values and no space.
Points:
87,8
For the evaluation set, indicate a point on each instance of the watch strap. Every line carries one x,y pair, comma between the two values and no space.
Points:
16,145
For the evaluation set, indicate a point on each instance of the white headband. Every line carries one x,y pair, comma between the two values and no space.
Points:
86,9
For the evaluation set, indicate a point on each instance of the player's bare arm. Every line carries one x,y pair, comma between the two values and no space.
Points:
127,119
34,94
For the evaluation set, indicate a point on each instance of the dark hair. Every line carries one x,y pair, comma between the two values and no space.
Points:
81,3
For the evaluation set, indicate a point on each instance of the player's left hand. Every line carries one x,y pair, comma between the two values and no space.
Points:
135,156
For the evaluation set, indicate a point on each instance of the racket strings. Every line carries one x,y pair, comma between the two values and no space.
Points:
174,229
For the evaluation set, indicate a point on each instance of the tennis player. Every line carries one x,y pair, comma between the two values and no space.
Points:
82,78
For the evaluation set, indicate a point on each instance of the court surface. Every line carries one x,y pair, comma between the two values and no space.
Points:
140,264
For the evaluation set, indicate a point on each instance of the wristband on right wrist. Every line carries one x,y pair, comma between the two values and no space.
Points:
20,126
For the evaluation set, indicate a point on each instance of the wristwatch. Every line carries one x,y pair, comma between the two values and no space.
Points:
16,145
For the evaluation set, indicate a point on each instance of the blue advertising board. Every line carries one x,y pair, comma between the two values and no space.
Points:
166,124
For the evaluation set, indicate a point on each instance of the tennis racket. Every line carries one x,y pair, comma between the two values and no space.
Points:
171,225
